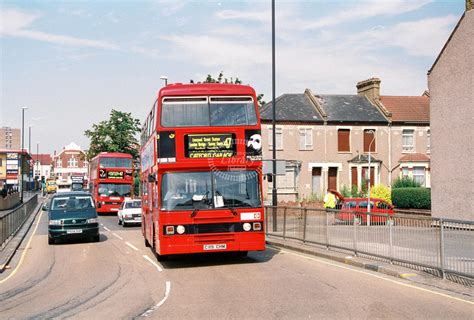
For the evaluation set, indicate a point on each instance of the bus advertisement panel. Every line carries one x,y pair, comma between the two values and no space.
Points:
111,180
201,162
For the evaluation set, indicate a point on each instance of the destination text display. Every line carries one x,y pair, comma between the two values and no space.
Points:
210,145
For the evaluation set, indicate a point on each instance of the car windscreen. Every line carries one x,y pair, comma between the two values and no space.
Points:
133,204
215,111
72,203
210,190
114,190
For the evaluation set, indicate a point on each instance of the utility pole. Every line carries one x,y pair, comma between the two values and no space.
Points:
274,188
22,149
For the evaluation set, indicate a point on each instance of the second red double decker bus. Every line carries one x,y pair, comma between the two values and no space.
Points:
201,170
111,180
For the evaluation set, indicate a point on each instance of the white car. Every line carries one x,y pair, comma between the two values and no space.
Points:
130,212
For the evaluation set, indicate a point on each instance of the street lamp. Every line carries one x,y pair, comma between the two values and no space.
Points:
165,79
22,146
368,180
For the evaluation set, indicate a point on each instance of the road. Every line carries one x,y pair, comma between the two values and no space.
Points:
120,278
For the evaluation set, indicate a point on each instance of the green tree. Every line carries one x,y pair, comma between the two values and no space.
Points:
117,134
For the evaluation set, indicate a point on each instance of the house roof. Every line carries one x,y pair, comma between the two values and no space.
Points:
407,108
349,108
414,157
43,158
291,107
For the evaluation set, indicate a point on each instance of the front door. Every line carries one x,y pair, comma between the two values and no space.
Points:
332,178
316,181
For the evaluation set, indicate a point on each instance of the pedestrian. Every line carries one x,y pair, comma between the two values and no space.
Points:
329,200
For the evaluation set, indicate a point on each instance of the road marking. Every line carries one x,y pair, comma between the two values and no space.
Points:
131,245
106,228
117,236
101,224
153,262
24,251
373,275
159,304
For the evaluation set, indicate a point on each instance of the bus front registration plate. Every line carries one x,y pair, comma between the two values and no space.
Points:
221,246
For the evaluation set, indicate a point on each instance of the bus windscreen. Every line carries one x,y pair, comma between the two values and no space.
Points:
115,163
114,190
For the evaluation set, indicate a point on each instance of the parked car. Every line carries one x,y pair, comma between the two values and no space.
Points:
130,212
72,215
351,209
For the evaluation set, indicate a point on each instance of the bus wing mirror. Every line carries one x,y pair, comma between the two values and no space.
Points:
152,177
269,178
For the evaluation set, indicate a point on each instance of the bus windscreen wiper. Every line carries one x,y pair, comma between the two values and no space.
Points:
193,214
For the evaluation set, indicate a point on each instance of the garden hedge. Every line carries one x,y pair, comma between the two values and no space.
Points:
413,198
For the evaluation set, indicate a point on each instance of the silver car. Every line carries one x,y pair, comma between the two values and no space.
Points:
130,212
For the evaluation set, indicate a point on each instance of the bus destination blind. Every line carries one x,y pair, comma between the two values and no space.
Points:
210,145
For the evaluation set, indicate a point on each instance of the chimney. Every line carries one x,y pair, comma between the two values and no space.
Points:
369,88
469,4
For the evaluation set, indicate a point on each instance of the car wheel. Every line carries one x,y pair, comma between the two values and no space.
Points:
51,240
119,221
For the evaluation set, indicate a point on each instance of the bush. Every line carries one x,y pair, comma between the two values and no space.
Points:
412,198
345,191
405,182
381,191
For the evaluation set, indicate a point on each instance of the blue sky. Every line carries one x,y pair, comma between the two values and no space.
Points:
71,62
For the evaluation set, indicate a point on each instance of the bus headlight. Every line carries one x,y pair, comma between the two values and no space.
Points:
257,226
180,229
247,226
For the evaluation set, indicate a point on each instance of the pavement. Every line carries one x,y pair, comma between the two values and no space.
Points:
461,286
7,252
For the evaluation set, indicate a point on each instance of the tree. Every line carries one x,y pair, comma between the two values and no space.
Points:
220,77
117,134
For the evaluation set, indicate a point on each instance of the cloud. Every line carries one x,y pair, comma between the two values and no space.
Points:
419,38
169,7
367,9
16,23
260,16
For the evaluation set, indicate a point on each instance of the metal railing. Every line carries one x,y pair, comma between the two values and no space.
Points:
12,220
443,245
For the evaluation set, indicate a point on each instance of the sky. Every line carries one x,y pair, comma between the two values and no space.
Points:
71,62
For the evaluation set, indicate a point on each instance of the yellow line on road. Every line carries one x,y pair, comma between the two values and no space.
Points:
24,251
372,275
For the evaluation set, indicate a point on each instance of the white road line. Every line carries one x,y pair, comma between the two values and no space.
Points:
101,224
116,235
153,262
106,228
374,275
131,245
159,304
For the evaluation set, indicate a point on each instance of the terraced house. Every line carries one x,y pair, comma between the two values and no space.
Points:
325,140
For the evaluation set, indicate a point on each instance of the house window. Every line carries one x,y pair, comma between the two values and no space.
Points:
369,140
405,172
306,138
279,139
419,175
59,163
408,137
428,140
72,162
343,140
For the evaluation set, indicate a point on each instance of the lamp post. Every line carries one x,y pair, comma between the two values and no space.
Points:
38,164
368,180
165,79
29,152
22,146
274,169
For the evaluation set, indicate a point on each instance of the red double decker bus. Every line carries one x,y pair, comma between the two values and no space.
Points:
110,180
201,163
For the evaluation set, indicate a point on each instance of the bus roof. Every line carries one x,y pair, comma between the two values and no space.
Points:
179,89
